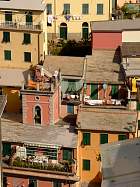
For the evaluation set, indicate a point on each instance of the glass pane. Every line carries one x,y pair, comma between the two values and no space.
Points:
8,16
85,8
6,36
49,8
85,33
86,164
27,38
66,8
86,138
94,91
7,55
63,32
27,56
99,9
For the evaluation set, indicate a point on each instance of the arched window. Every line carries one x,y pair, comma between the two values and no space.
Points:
37,116
85,31
63,31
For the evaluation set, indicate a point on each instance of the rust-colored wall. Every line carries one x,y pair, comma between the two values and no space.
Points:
17,181
29,102
109,40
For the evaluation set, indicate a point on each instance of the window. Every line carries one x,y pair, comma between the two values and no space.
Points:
8,16
85,30
32,182
86,138
122,137
49,8
7,54
37,116
70,108
6,37
66,9
103,138
71,87
99,9
86,165
67,154
138,124
114,91
27,38
138,106
29,18
63,31
94,91
6,149
57,184
27,56
85,8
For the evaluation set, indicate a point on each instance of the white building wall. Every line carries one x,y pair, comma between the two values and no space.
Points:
131,36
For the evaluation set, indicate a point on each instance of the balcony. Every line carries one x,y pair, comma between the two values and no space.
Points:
20,26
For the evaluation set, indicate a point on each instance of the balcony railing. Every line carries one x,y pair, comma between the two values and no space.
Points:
32,163
20,26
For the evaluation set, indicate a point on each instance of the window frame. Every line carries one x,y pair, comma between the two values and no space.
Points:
85,8
122,135
49,8
86,141
66,8
100,9
26,58
6,54
101,136
86,165
8,16
6,36
27,38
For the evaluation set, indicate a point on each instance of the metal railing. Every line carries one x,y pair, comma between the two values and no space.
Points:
21,25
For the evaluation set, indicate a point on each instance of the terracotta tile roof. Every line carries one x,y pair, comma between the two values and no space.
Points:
69,66
104,66
115,25
102,119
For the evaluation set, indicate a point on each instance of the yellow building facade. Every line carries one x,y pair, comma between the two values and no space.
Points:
97,126
71,19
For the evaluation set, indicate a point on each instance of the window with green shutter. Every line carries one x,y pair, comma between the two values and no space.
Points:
32,182
29,18
86,138
7,54
8,16
100,9
94,91
27,57
57,183
6,149
138,106
85,8
27,38
63,31
66,9
86,165
6,37
67,154
49,8
103,138
138,124
114,91
122,137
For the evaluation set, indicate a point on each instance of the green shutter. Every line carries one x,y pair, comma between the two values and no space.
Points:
67,154
66,9
94,91
27,38
99,9
122,137
85,33
63,32
49,8
6,149
103,138
27,56
86,138
7,54
138,124
6,37
86,164
114,91
29,18
138,106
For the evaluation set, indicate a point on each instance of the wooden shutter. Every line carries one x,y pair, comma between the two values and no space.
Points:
94,91
103,138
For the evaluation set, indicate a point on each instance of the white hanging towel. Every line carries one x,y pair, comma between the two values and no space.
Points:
50,19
